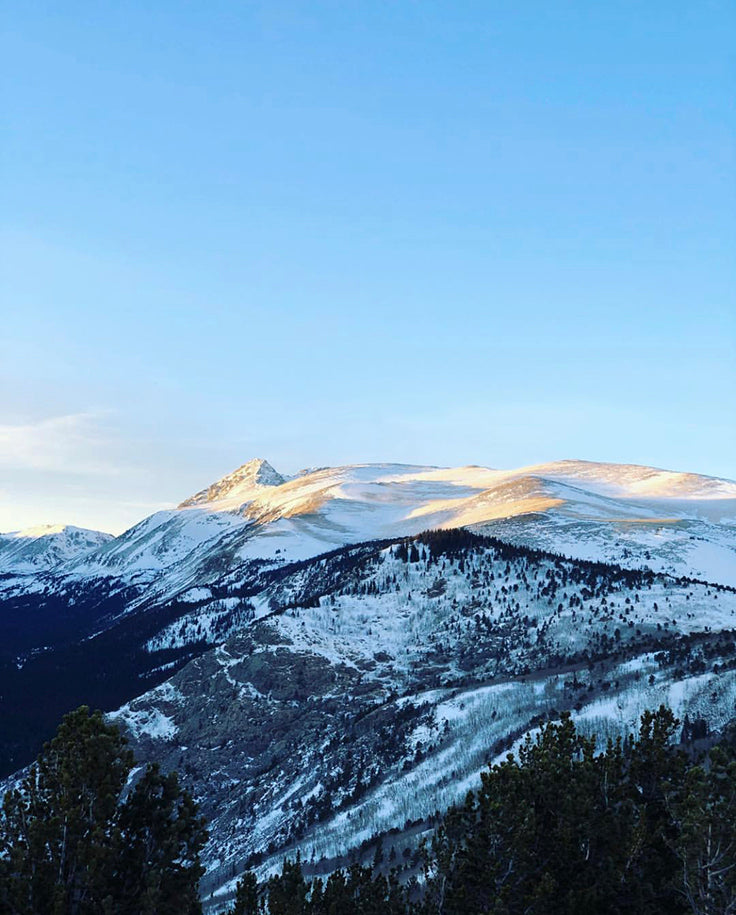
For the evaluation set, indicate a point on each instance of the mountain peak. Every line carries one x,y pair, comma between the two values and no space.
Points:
45,546
243,483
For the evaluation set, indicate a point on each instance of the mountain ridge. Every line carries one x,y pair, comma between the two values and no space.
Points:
47,546
330,656
255,512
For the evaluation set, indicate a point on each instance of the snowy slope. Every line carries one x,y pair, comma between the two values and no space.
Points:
256,513
370,687
46,547
685,522
678,522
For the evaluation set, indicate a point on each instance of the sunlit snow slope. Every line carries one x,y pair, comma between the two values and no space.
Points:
47,546
678,522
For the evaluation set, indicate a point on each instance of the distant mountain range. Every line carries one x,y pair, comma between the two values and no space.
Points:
47,547
678,522
322,672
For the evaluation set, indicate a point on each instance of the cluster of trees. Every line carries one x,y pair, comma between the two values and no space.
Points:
638,828
560,829
78,838
356,891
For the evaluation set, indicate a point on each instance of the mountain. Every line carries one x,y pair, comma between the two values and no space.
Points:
677,522
238,487
367,688
323,671
47,547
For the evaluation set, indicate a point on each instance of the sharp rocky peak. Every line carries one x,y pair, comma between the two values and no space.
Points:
251,476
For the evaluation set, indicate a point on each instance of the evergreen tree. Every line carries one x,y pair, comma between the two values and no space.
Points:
563,830
706,840
246,896
70,844
288,894
655,779
58,835
158,866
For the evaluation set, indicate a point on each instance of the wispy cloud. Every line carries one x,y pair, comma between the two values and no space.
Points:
74,443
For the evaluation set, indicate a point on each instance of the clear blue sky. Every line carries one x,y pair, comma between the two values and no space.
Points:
442,232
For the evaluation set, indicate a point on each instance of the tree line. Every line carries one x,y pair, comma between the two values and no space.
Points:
644,825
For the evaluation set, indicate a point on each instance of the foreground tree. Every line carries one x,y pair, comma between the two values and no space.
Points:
706,841
544,833
71,843
564,831
560,829
246,896
356,890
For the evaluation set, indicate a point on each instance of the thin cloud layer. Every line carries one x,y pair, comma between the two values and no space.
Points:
73,443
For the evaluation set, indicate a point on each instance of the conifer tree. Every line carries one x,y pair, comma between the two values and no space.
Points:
58,835
72,844
288,894
246,896
706,841
158,865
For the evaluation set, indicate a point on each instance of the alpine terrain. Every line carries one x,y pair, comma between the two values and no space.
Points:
330,659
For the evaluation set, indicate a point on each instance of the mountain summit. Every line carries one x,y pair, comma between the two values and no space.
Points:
329,658
669,521
240,485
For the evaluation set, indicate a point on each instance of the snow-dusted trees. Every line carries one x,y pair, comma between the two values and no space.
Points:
561,829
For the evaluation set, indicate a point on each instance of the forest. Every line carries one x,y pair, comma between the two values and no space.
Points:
645,824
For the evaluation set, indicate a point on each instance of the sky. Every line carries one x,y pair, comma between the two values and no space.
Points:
338,232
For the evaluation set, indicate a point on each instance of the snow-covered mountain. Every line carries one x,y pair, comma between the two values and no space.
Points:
47,547
331,507
321,671
348,694
678,522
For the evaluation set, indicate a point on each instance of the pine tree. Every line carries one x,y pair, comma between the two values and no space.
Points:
565,830
70,844
246,896
706,841
159,868
288,893
58,833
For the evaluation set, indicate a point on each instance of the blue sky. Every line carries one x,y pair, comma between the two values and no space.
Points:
433,232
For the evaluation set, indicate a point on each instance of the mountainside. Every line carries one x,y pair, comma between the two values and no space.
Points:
370,687
676,522
322,672
47,547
